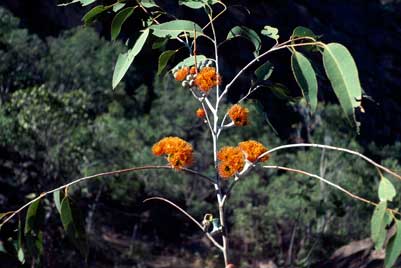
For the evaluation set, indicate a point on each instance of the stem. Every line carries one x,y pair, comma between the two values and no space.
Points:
367,159
110,173
189,216
331,184
215,136
256,59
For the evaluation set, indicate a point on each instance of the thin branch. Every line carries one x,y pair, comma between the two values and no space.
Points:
110,173
250,91
188,215
367,159
256,59
218,15
331,184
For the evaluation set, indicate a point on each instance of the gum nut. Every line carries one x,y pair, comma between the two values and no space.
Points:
184,83
188,77
191,83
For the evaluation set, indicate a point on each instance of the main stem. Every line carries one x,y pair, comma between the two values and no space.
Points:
215,136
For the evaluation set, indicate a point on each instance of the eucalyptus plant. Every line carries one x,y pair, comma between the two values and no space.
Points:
200,75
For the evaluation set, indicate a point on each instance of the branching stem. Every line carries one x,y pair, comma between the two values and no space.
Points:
110,173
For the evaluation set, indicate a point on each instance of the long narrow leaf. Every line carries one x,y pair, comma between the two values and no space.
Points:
305,77
125,60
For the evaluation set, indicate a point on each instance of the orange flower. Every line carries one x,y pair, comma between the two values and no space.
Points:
207,78
232,161
238,114
181,73
193,70
179,152
225,170
253,150
200,113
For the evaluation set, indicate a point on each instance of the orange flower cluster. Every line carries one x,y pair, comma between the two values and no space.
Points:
207,78
200,113
238,114
181,74
179,152
231,161
253,149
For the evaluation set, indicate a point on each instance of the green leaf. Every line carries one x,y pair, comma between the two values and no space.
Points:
2,248
21,255
190,61
160,43
118,21
264,71
270,32
125,60
20,250
74,226
305,77
149,3
378,225
83,2
343,74
31,217
33,236
90,17
386,190
57,200
393,249
173,29
303,32
163,60
118,6
280,91
249,34
3,215
197,4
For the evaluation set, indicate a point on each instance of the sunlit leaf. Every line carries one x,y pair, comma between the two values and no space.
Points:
57,200
386,190
393,249
118,6
20,250
343,74
305,77
249,34
89,17
74,226
119,20
149,3
190,61
196,4
270,32
173,29
378,225
125,60
163,60
264,71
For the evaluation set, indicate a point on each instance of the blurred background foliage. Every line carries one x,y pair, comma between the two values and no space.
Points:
60,120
